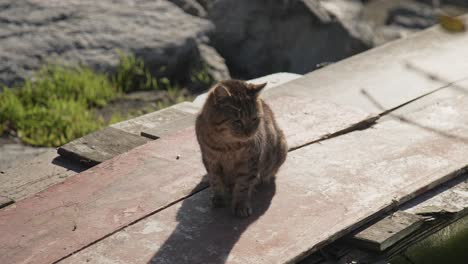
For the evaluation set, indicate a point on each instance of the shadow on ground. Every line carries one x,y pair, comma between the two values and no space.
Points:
207,235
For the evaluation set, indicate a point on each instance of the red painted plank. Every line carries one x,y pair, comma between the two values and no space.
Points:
95,203
322,192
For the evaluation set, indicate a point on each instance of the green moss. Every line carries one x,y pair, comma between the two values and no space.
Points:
57,123
55,107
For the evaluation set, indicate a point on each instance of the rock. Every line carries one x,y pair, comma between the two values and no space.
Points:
191,7
379,21
90,32
216,65
390,20
462,3
257,37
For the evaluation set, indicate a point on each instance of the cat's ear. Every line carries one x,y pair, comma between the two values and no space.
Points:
220,91
256,88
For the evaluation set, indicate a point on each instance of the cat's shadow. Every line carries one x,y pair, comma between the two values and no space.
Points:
205,234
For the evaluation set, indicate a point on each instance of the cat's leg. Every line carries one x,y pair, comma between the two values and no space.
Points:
219,192
243,187
217,185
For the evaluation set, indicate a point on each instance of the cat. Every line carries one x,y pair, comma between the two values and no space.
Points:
240,141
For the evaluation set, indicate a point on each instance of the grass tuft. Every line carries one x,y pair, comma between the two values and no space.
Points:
62,103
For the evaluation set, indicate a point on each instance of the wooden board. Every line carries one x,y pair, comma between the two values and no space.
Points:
110,196
167,129
440,207
101,145
35,175
303,119
387,231
450,198
322,192
157,118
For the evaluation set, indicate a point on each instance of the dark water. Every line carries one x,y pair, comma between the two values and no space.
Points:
447,246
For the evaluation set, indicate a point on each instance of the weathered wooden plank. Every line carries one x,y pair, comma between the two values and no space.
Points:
101,145
164,130
387,231
354,178
450,198
36,175
157,118
440,206
304,119
95,203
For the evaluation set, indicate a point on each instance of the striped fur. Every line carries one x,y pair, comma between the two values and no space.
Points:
240,141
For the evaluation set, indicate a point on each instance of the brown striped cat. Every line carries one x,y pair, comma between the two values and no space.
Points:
240,141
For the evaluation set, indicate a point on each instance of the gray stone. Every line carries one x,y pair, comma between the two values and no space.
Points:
190,6
90,32
257,37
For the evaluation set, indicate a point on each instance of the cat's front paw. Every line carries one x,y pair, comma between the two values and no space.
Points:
242,209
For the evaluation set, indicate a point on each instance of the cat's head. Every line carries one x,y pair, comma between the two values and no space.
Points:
235,108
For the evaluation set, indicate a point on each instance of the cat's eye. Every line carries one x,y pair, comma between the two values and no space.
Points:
255,119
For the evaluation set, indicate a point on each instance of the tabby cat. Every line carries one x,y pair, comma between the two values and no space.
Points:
240,141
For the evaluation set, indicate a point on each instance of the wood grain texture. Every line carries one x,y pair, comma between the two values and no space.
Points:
387,231
115,193
158,118
37,174
101,145
322,192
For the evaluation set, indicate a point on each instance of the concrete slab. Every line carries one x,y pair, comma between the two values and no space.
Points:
95,203
322,192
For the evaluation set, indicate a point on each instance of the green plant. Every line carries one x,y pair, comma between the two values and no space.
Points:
55,107
67,83
200,77
57,123
132,75
61,103
11,110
